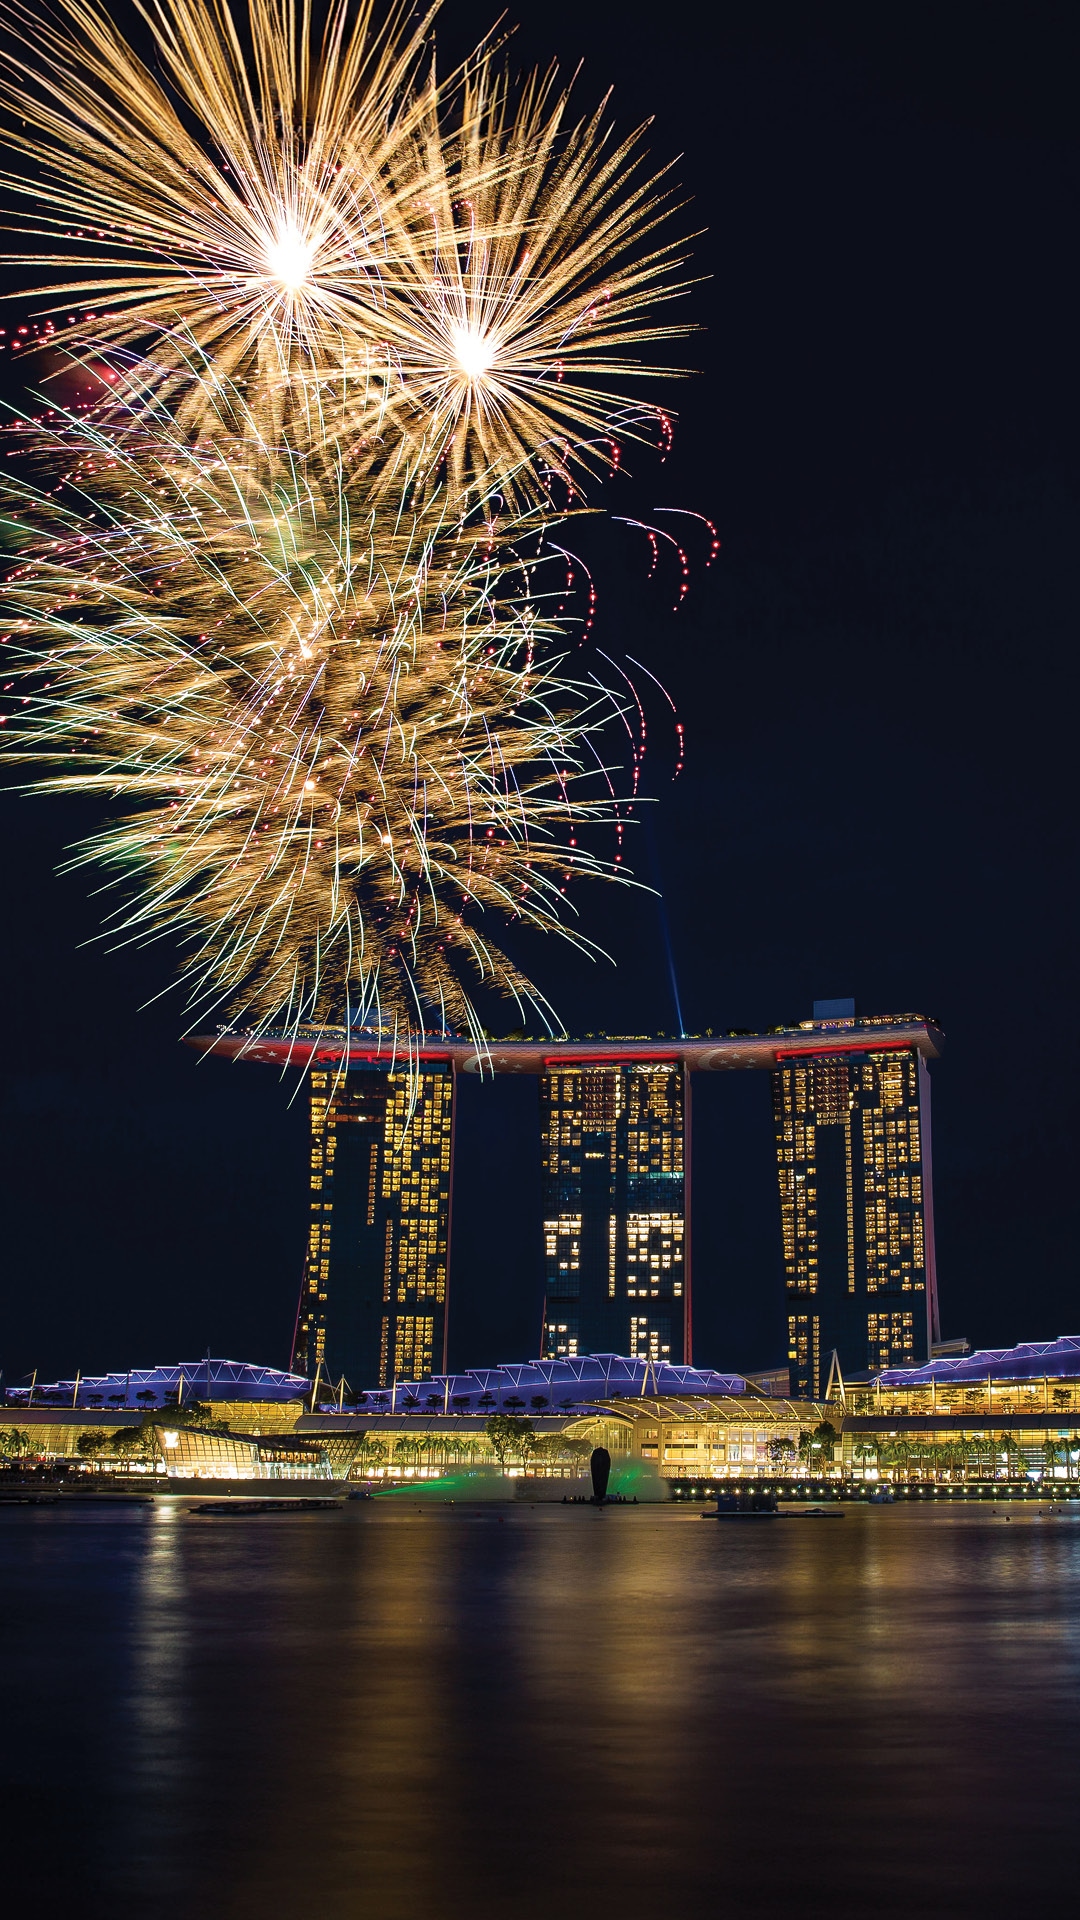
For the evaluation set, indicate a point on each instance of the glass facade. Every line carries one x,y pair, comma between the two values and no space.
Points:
1006,1414
853,1148
373,1305
616,1241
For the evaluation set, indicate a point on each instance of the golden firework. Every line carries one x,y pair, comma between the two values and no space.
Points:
278,595
523,289
224,205
343,750
450,284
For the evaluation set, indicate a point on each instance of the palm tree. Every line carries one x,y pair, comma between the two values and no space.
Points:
940,1456
953,1455
980,1452
371,1452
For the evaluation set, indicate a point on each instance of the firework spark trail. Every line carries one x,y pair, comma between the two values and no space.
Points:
688,513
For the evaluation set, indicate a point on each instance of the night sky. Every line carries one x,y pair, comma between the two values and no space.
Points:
876,679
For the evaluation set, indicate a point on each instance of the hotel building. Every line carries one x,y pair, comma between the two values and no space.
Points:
616,1245
853,1138
852,1123
373,1305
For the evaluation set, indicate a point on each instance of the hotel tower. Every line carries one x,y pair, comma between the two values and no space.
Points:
616,1242
373,1304
856,1197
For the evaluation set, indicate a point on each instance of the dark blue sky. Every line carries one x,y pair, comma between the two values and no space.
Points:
877,683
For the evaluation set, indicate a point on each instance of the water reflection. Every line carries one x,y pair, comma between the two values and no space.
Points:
344,1715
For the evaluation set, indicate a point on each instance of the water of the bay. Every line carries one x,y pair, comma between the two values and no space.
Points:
535,1711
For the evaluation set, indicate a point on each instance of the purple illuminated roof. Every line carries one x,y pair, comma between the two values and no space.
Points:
191,1379
560,1383
1034,1360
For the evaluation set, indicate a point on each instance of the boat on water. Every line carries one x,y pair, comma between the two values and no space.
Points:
243,1509
750,1503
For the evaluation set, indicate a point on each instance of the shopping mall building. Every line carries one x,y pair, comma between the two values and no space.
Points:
1003,1415
1000,1414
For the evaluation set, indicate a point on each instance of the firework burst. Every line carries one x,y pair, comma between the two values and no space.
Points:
343,750
223,211
281,594
527,278
448,283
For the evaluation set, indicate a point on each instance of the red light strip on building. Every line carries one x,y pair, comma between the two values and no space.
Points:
851,1046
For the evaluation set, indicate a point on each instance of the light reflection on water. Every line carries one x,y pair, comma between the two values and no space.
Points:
541,1709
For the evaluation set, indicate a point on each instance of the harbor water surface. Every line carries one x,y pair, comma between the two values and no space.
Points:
522,1710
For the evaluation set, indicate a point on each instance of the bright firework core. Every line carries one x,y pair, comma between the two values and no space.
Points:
288,258
473,351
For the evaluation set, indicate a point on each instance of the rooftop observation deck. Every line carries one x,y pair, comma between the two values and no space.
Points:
709,1053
